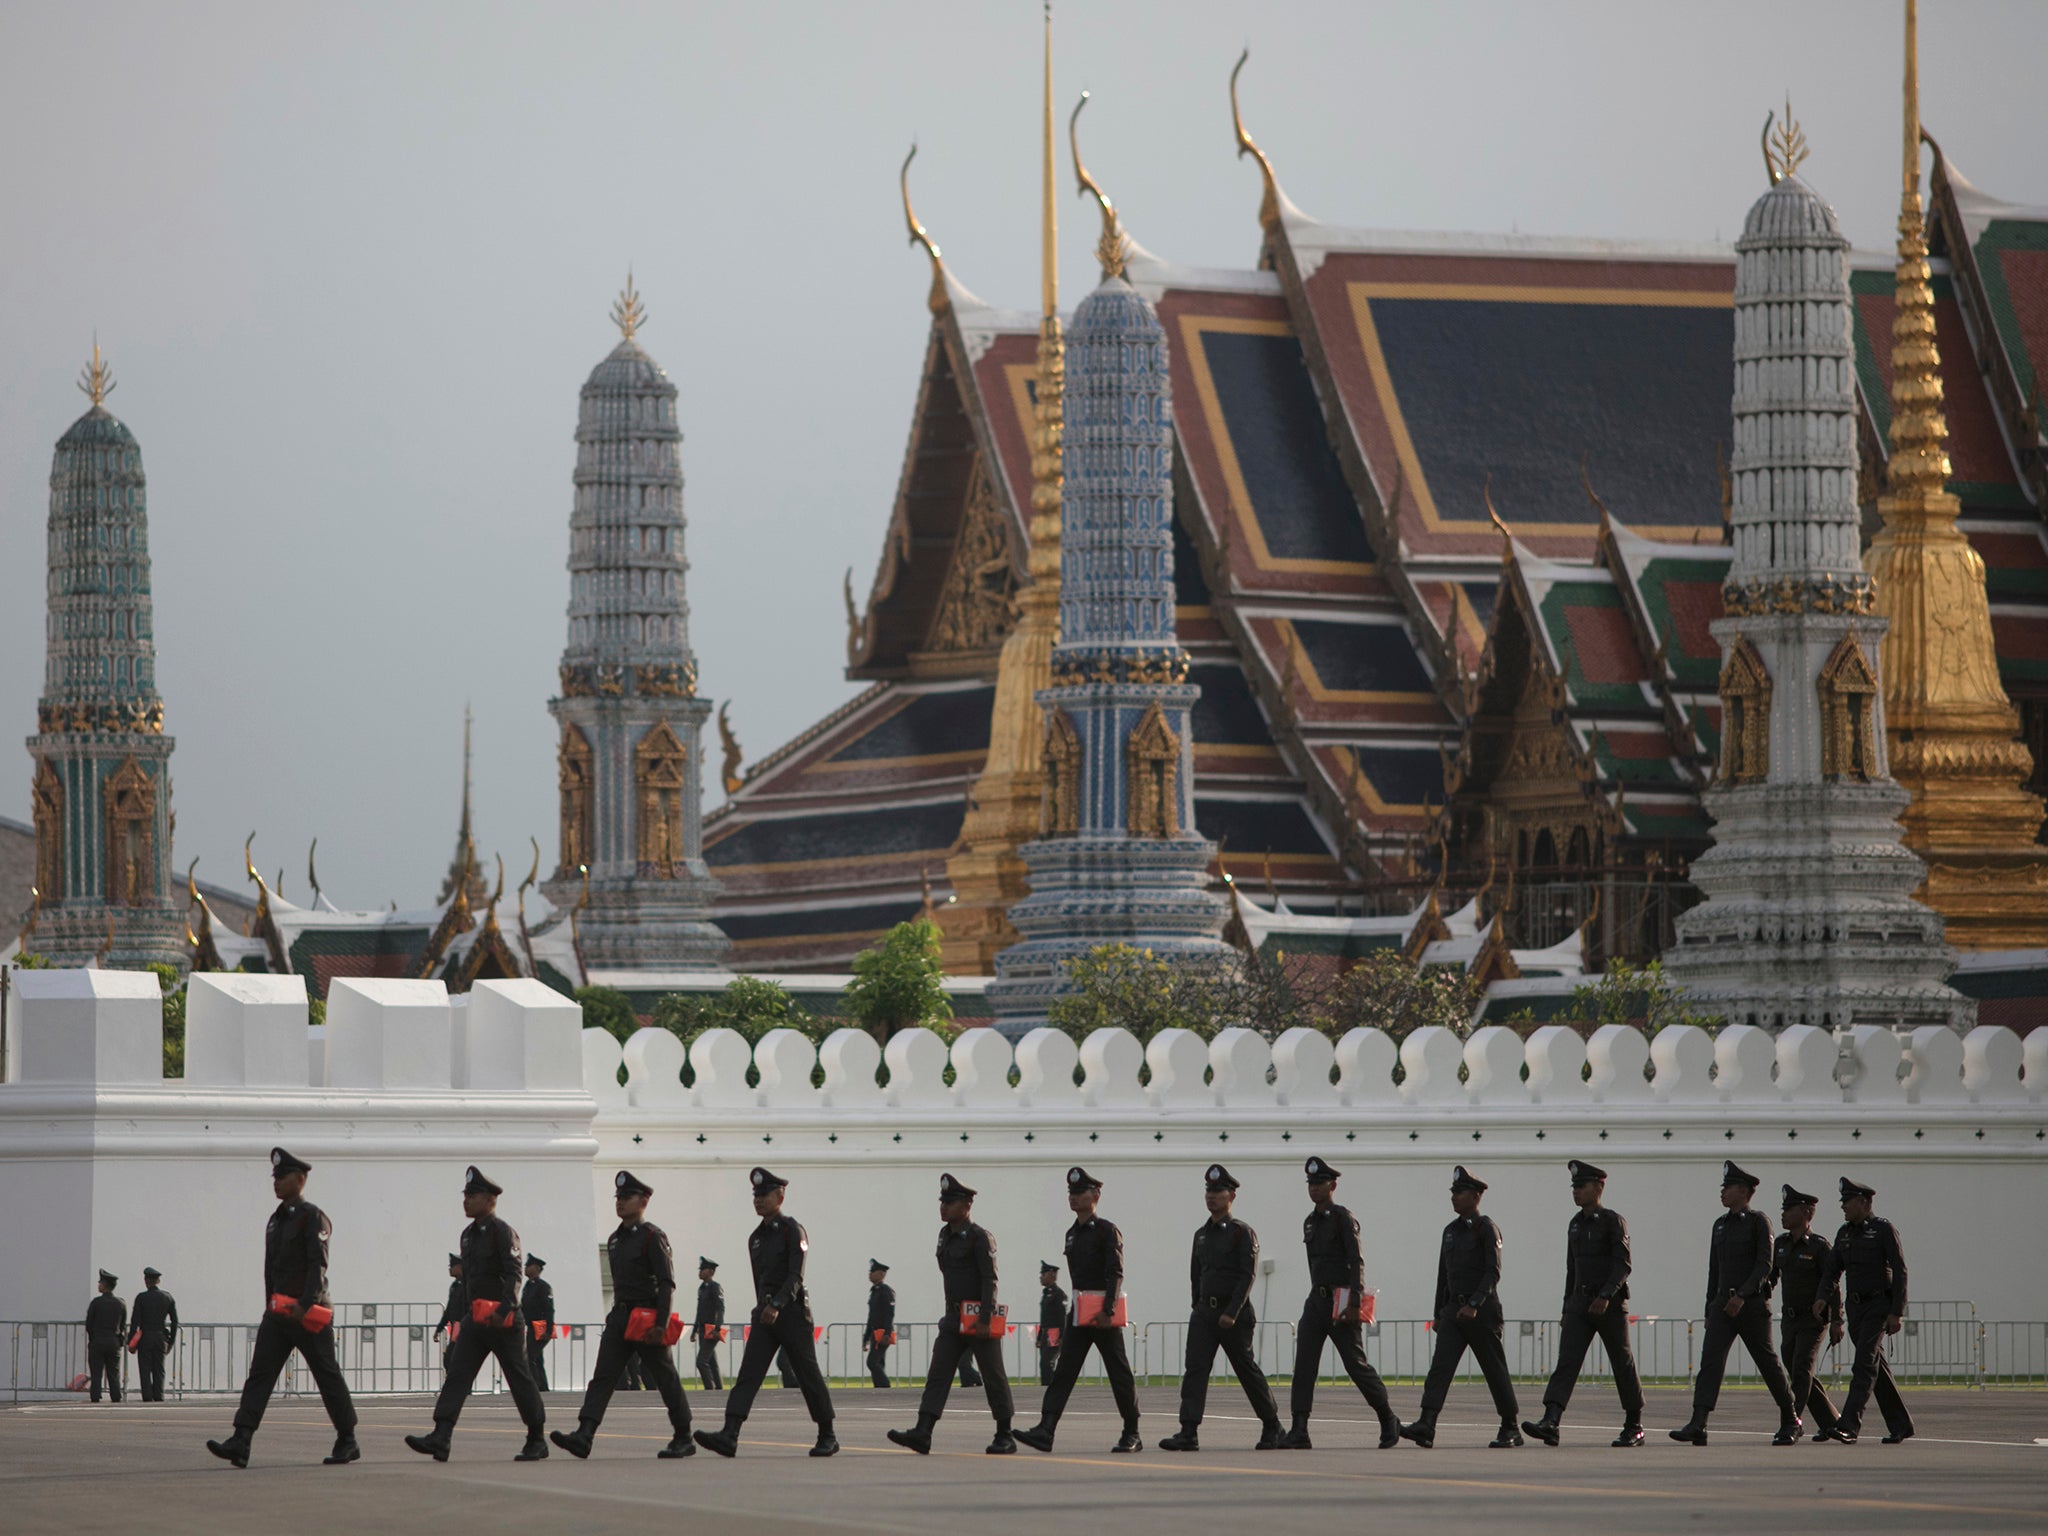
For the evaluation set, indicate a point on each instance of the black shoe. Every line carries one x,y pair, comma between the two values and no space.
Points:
1509,1438
677,1449
1186,1440
1896,1438
535,1449
1788,1433
235,1449
828,1444
725,1442
429,1445
577,1445
345,1451
1422,1432
1842,1435
1544,1429
1269,1437
1037,1436
1296,1439
1693,1433
1824,1433
1390,1433
1127,1443
1630,1437
1004,1444
918,1440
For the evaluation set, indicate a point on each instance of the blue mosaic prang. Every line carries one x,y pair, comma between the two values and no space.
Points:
1118,658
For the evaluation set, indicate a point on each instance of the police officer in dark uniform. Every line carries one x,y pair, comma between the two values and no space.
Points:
881,1321
1095,1260
491,1264
967,1268
1222,1265
1336,1263
1596,1270
643,1267
781,1321
294,1265
156,1327
709,1319
1800,1258
537,1301
1052,1320
1868,1260
1468,1316
451,1311
106,1330
1738,1307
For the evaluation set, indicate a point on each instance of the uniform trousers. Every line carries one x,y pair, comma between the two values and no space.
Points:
707,1363
1872,1375
1800,1339
656,1365
103,1359
149,1364
1048,1361
1577,1330
537,1361
791,1331
276,1338
1073,1353
1752,1325
1206,1335
477,1343
878,1359
1481,1335
949,1350
1316,1327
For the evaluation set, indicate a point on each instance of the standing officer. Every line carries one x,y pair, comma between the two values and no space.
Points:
967,1267
1800,1259
1738,1307
1468,1316
1867,1255
1052,1319
643,1278
881,1321
537,1301
1221,1268
1336,1263
709,1319
106,1330
490,1274
1596,1271
451,1311
156,1321
781,1320
294,1265
1095,1260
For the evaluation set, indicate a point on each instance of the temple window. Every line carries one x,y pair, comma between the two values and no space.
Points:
1061,815
1848,694
658,766
1153,763
1745,716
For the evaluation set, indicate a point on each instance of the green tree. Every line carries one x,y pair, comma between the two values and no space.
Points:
1386,990
1644,996
896,983
1119,986
752,1005
609,1009
172,982
28,960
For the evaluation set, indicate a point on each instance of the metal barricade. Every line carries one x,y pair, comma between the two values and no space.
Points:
1163,1348
2012,1354
1937,1345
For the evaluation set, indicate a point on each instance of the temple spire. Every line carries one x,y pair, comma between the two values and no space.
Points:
628,313
96,379
462,869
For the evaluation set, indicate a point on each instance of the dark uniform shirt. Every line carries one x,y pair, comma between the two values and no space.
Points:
1095,1258
1335,1258
710,1309
156,1314
537,1302
1868,1259
491,1262
967,1266
1223,1264
295,1253
1739,1258
1799,1263
452,1310
643,1268
776,1249
1596,1257
881,1309
1052,1312
1468,1267
106,1320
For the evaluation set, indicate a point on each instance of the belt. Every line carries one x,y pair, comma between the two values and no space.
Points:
1884,1294
1211,1301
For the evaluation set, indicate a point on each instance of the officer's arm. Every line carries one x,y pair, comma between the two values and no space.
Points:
509,1267
1115,1282
1247,1270
1831,1290
793,1267
888,1306
985,1266
661,1260
1621,1262
1354,1257
1195,1270
1759,1262
1716,1291
1897,1260
316,1259
172,1332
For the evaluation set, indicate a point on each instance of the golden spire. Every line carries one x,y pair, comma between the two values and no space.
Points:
628,313
312,875
96,379
919,235
1785,151
1114,246
1269,204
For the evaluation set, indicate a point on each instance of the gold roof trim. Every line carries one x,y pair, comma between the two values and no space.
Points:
1113,246
1269,202
919,235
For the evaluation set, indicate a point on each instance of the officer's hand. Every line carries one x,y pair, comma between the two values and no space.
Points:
1226,1322
439,1331
1355,1313
1820,1309
1835,1334
769,1314
1597,1306
1466,1314
1734,1307
501,1314
1893,1323
296,1312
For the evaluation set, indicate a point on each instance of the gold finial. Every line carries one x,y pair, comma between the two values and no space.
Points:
498,895
1507,539
1114,246
919,235
853,623
729,770
249,863
1048,210
532,876
1784,151
628,313
312,875
1585,479
1269,204
96,379
1919,431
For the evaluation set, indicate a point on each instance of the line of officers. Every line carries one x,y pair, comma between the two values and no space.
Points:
1745,1264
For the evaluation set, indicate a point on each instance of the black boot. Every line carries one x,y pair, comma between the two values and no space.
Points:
1788,1432
235,1448
1037,1436
726,1442
1694,1431
1508,1439
1390,1432
434,1445
1270,1436
1126,1443
1422,1431
1296,1438
1544,1429
677,1448
345,1451
1186,1440
1631,1434
535,1449
918,1439
827,1443
576,1444
1004,1444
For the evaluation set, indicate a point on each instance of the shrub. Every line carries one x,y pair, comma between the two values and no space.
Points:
896,983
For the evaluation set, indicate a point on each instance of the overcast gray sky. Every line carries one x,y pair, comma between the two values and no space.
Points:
351,264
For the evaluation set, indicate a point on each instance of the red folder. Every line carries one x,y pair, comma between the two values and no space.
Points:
1052,1338
540,1331
640,1323
1089,1311
317,1317
975,1326
482,1311
1341,1300
134,1341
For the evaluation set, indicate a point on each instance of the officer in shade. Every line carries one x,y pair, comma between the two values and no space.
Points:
1221,1268
156,1330
1738,1307
1052,1320
294,1274
492,1327
967,1267
1597,1263
1468,1316
705,1325
881,1321
643,1267
1868,1260
1095,1261
1334,1310
537,1301
1800,1258
106,1327
451,1311
781,1321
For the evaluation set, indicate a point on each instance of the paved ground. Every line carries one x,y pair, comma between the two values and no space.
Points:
1979,1464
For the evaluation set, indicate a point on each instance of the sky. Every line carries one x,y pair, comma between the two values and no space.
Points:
351,265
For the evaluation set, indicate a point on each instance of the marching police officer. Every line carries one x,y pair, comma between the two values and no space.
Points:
1800,1258
1468,1316
1596,1270
881,1321
1052,1318
156,1328
106,1329
709,1319
1095,1260
294,1265
967,1267
781,1321
537,1301
1868,1259
451,1311
1738,1307
1221,1267
1334,1310
643,1267
490,1262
